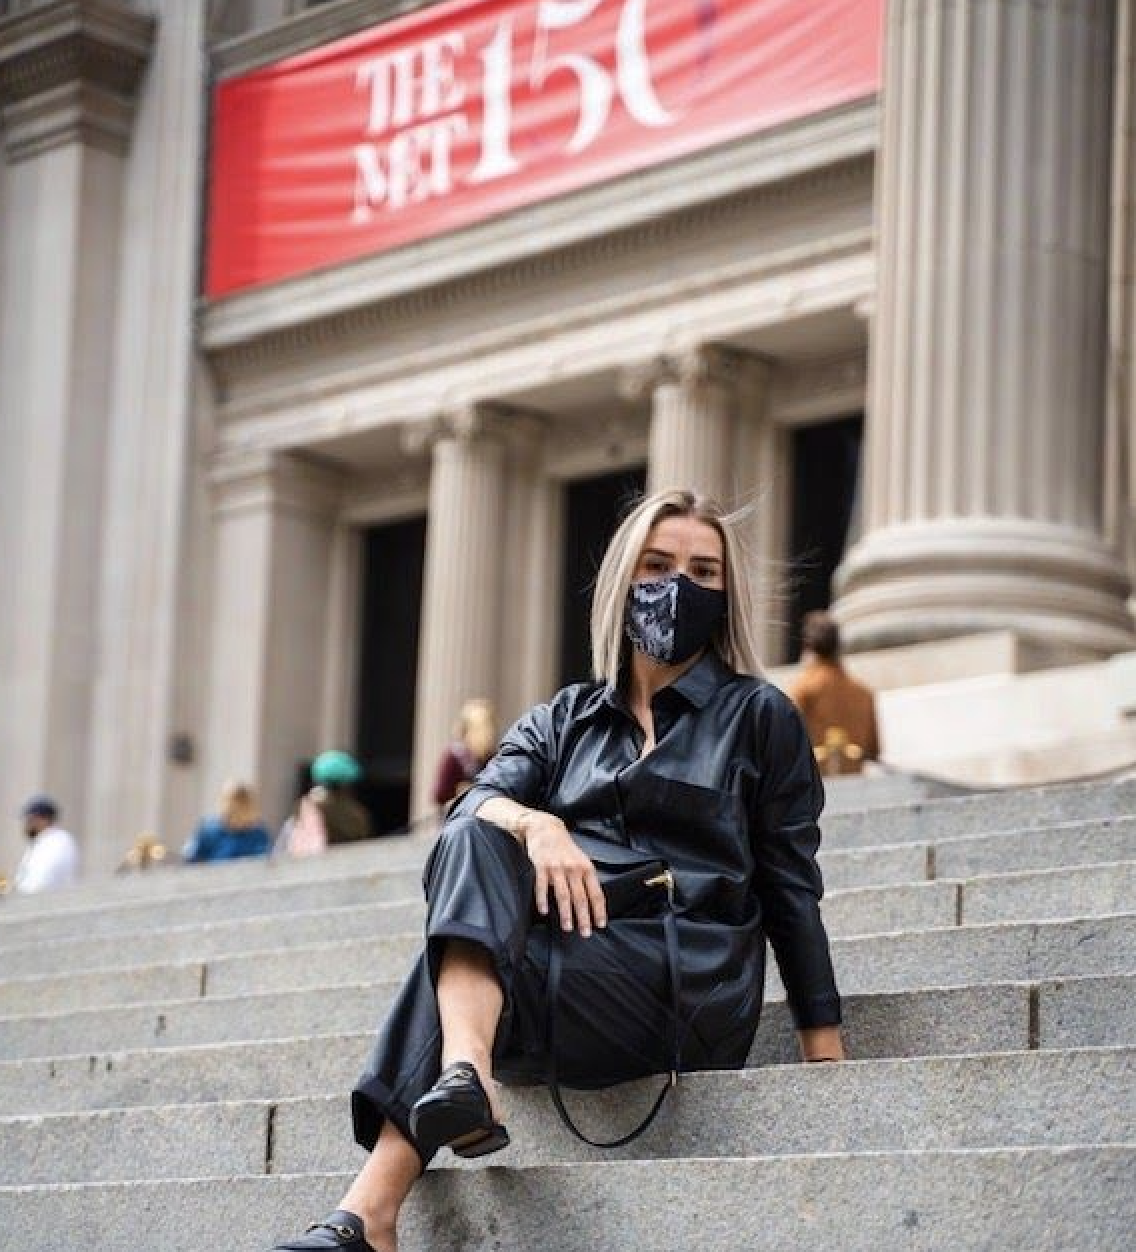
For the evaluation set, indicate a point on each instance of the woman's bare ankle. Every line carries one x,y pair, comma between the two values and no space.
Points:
382,1238
378,1226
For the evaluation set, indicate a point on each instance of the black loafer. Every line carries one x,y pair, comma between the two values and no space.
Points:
341,1230
455,1113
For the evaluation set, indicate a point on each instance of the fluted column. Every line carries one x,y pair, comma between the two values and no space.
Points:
694,402
274,519
1120,485
151,622
462,608
762,455
70,73
985,432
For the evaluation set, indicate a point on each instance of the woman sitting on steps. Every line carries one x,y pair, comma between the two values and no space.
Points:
678,753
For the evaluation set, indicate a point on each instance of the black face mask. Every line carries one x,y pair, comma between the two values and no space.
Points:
672,619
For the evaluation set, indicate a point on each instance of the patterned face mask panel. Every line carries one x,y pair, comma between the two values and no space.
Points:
672,619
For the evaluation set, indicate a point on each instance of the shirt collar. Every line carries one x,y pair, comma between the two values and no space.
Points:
697,686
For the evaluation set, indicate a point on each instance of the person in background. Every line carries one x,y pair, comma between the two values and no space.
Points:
236,831
345,819
839,712
52,857
464,759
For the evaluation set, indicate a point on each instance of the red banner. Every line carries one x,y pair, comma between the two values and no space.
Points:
461,111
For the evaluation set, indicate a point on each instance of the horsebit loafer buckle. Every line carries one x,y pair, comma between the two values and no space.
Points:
345,1233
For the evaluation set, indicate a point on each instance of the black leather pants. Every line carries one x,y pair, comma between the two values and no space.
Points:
613,1011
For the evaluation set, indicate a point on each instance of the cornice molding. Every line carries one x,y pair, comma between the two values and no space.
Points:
261,480
70,70
831,151
304,31
605,336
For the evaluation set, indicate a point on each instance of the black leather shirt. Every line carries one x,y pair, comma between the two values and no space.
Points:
730,796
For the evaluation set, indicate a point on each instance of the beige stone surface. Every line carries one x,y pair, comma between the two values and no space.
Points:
986,433
1042,727
181,497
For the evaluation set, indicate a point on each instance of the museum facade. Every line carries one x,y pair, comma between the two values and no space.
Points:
333,337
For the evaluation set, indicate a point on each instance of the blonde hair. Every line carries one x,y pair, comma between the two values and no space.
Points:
477,728
239,809
736,641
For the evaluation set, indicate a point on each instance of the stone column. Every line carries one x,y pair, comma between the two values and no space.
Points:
762,453
274,519
151,619
985,431
694,404
531,579
69,73
462,610
1120,484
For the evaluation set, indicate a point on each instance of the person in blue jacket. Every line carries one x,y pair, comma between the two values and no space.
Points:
237,830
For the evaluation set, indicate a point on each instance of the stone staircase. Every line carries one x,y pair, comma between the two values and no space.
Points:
176,1050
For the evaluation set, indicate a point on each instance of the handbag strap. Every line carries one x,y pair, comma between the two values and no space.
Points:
555,969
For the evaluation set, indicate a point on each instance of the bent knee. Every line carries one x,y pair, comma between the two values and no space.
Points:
473,838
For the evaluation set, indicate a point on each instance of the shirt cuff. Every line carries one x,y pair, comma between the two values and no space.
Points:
816,1011
470,801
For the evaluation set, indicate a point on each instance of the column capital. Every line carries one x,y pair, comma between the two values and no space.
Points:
711,364
268,479
69,72
476,421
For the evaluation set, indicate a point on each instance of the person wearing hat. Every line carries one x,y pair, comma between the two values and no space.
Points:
52,856
334,774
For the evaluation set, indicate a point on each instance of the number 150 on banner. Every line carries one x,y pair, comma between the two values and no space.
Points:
419,110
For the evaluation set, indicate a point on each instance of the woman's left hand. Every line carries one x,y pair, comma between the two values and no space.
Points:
821,1043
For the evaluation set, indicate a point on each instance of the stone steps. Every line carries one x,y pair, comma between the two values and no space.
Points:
1044,1199
982,814
272,899
923,821
189,1033
1041,894
391,853
1009,952
941,1104
856,792
291,1056
1072,845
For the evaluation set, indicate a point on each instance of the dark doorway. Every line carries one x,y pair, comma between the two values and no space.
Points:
826,461
390,604
593,507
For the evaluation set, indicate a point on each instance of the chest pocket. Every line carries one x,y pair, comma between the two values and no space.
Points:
699,826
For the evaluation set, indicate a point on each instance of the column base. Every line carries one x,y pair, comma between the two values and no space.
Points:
1058,588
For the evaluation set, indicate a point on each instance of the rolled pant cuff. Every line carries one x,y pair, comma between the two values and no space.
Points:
372,1103
438,935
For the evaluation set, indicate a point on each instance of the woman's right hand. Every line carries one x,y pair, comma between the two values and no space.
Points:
563,873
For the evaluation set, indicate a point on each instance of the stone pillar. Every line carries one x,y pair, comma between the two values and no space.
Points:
274,525
462,610
762,451
711,431
69,73
532,573
146,694
1120,484
985,432
694,404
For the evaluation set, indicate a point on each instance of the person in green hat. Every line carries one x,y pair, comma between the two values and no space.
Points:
328,813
